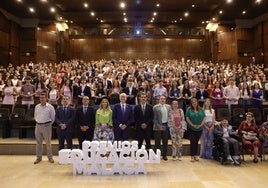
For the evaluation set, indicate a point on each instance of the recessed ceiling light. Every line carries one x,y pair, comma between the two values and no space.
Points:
85,5
203,22
258,1
155,13
229,1
122,5
44,1
220,11
31,9
52,9
92,13
193,6
101,21
180,19
19,1
186,14
124,13
213,19
244,12
157,5
125,20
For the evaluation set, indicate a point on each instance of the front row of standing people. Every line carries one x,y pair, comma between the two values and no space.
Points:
106,124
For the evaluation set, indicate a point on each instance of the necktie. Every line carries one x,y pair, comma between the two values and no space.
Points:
123,108
85,110
65,109
143,109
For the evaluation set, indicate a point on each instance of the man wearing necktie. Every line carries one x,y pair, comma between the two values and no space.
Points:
201,94
122,118
85,121
143,116
161,111
64,119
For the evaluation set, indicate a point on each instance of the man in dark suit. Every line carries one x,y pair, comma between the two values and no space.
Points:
201,94
122,117
131,92
83,90
107,84
64,119
85,119
143,116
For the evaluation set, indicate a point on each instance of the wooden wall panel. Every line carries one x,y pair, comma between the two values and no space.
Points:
47,44
137,48
4,37
28,45
227,51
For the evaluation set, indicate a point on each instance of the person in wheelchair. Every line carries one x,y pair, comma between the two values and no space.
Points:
227,137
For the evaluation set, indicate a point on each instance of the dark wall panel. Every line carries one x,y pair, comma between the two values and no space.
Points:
137,48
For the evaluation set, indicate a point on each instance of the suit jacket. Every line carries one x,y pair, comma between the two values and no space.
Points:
87,119
147,117
158,115
119,117
218,130
198,94
65,117
107,83
86,92
134,93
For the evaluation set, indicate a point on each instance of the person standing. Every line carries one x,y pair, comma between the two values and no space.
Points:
83,90
85,119
177,127
9,93
195,117
104,123
27,92
231,93
64,119
122,117
208,129
44,115
161,111
143,116
201,95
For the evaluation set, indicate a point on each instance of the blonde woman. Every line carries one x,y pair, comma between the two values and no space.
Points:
208,129
177,127
104,123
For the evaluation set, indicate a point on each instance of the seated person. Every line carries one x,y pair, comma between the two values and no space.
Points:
225,132
249,131
263,133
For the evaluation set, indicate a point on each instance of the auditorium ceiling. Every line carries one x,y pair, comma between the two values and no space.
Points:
88,12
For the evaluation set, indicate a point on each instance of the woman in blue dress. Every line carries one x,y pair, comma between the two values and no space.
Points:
257,95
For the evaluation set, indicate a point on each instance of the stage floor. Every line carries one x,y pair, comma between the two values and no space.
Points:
19,171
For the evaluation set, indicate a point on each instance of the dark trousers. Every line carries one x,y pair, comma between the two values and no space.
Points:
120,134
65,135
144,134
230,142
194,137
85,135
158,135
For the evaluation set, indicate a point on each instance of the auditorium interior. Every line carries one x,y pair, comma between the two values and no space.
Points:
54,32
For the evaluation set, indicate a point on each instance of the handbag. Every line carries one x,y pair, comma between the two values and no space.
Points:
249,137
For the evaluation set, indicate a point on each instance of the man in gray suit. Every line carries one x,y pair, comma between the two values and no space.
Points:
161,111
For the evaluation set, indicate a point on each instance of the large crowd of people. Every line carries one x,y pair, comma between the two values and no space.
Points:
166,96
